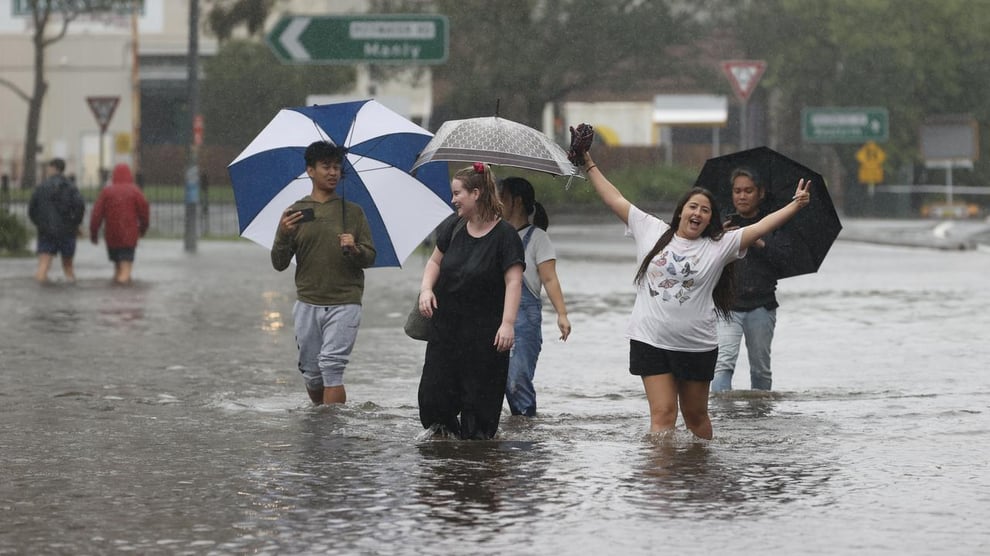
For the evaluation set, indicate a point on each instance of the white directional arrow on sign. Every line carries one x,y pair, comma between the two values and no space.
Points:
351,39
290,39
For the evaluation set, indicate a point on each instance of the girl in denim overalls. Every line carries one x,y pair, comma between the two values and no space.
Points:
519,205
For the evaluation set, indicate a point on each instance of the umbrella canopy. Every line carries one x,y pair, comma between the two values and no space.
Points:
810,234
270,174
498,141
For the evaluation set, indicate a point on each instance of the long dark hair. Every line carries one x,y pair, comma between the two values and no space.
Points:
724,293
520,188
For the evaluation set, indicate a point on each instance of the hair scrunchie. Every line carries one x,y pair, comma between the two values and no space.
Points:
479,167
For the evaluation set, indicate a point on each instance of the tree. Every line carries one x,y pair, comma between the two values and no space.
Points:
42,14
245,85
225,15
914,57
526,53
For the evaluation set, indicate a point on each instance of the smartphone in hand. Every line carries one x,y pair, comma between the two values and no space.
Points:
308,215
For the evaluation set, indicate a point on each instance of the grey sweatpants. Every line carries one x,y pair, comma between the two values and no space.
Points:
325,336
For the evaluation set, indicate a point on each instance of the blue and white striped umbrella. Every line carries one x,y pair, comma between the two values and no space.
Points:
402,209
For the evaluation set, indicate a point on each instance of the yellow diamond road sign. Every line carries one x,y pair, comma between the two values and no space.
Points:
871,158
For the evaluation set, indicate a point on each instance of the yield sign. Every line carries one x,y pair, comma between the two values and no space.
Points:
103,108
744,75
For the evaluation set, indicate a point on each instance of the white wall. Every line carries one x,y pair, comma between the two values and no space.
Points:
93,59
627,124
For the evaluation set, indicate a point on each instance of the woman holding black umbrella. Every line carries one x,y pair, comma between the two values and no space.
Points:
682,286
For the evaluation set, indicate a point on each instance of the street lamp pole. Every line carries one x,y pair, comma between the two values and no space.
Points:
192,172
135,94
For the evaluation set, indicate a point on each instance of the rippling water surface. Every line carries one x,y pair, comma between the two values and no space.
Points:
168,418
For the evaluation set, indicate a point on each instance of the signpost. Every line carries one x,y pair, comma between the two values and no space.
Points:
743,76
197,128
380,39
844,125
103,109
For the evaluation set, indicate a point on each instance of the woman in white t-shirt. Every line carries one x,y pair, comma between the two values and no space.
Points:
521,209
680,291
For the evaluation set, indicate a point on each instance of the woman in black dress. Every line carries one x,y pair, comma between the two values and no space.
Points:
470,290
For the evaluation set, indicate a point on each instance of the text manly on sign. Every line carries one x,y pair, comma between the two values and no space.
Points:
416,39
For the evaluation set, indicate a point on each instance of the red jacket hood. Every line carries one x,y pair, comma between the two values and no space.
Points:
122,174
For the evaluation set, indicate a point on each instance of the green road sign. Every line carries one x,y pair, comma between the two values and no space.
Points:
355,39
844,125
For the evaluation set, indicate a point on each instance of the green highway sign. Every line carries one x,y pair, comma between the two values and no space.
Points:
844,125
357,39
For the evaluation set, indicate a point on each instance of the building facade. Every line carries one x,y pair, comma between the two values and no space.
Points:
138,62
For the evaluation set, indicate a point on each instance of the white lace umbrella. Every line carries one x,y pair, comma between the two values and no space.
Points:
498,141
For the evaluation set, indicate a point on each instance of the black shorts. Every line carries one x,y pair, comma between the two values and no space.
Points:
646,360
121,254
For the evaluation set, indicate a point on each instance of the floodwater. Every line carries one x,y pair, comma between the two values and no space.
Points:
168,418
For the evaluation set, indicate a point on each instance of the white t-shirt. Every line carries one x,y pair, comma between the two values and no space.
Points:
539,250
674,308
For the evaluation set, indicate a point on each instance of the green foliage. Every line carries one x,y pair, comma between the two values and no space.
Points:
225,15
13,234
915,57
246,85
645,186
522,54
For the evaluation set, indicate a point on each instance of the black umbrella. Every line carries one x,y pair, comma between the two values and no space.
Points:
810,234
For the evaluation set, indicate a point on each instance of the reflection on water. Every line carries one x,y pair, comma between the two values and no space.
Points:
63,308
678,478
468,483
60,320
273,320
744,404
758,462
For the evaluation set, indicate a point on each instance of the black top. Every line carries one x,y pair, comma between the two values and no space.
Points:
56,207
756,274
471,287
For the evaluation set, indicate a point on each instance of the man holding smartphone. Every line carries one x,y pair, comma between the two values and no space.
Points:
331,241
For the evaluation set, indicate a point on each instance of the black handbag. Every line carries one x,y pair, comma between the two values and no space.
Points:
417,326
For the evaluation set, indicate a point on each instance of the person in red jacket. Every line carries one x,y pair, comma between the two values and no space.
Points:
125,210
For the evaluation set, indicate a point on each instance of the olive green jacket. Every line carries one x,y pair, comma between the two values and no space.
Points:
325,275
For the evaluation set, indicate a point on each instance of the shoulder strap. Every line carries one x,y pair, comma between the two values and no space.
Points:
461,222
529,234
457,227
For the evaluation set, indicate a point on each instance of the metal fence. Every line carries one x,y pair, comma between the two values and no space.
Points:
168,214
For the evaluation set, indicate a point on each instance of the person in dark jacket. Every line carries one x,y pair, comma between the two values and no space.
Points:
753,314
124,210
56,209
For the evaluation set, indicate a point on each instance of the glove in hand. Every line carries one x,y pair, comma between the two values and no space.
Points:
581,139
